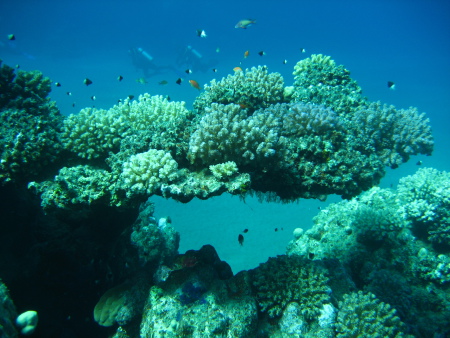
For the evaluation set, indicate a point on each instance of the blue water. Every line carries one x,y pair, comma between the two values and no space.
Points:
405,41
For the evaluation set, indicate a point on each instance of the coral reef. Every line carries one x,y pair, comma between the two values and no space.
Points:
363,315
225,133
156,241
395,135
383,239
245,138
288,279
426,203
145,172
251,89
93,133
319,80
30,125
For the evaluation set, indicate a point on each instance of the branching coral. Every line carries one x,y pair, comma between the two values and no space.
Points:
252,89
426,203
93,133
319,80
287,279
363,315
395,135
30,123
145,172
225,133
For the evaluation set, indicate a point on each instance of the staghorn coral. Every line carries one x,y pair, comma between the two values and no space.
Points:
251,89
363,315
287,279
393,134
319,80
30,124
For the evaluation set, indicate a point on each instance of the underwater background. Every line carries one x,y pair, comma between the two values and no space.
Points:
406,42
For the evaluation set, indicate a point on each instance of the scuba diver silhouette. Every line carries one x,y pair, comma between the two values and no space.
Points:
192,59
144,61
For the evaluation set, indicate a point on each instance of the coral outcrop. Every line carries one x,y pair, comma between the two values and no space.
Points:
394,245
30,125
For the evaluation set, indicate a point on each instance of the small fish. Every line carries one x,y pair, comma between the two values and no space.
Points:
214,70
391,85
246,54
57,84
69,93
130,97
188,71
302,50
11,37
241,239
237,69
163,82
17,66
419,163
168,98
245,231
73,105
141,80
217,50
179,81
93,98
245,23
201,33
87,82
284,62
120,78
276,229
195,84
262,53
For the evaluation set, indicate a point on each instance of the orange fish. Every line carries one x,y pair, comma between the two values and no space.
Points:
246,54
237,69
194,84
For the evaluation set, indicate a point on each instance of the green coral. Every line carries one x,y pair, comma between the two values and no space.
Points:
287,279
94,133
363,315
426,203
393,134
319,80
252,89
30,124
75,186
